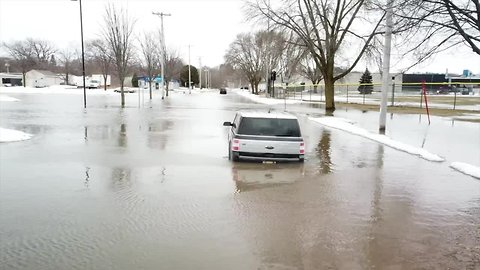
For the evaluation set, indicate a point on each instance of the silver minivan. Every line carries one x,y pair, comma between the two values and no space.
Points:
270,136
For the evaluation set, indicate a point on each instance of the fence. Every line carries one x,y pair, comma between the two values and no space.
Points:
464,96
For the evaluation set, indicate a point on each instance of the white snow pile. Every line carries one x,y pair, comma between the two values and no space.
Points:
8,99
265,100
10,135
342,124
466,169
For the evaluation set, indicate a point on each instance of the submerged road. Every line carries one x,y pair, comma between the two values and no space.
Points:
152,188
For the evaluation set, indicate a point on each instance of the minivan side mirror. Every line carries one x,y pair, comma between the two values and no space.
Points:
227,124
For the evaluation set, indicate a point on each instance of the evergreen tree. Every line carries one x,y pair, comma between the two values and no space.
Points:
193,75
53,61
134,80
366,85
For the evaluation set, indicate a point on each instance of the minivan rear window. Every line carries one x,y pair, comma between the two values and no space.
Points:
269,127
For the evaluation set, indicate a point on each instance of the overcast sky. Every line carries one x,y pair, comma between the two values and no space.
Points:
208,25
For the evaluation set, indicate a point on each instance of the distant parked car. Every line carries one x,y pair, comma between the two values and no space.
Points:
244,87
465,91
125,90
442,90
223,91
93,84
265,136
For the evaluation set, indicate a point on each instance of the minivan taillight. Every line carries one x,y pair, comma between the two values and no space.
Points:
302,148
236,145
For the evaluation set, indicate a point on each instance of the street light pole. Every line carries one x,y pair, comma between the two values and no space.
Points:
189,72
200,71
161,14
83,57
386,67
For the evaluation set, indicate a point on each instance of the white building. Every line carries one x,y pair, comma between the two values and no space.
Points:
99,77
78,80
42,78
11,79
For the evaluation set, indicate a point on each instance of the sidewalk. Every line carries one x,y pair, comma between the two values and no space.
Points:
445,101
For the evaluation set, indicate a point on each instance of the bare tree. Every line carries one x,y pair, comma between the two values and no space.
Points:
292,54
22,54
173,66
324,26
42,51
309,70
442,24
465,18
66,58
249,53
151,58
245,54
99,53
117,33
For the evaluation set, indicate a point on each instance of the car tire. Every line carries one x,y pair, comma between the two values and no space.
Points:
229,152
301,160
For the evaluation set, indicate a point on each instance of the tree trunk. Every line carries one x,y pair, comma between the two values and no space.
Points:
166,87
329,93
24,79
315,86
122,93
150,86
105,82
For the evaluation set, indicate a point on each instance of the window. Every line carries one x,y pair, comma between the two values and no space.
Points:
269,127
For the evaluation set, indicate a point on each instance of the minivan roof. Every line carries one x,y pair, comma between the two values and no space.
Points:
266,114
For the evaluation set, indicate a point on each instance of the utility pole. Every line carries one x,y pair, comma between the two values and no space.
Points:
386,67
200,71
267,66
83,56
189,72
162,63
206,78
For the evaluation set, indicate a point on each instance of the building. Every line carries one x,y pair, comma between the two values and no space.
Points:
440,82
11,79
99,77
78,80
42,78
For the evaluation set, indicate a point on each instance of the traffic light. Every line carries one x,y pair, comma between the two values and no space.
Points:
273,75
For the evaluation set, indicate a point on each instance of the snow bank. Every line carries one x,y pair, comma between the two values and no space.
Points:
265,100
342,124
7,98
10,135
466,169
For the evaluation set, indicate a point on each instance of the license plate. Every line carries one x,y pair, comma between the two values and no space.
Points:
268,162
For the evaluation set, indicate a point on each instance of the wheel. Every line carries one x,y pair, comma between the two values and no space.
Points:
229,152
301,160
235,157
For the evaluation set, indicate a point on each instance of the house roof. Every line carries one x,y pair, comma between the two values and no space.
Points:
11,75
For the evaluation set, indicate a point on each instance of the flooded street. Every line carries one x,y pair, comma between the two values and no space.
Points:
152,188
